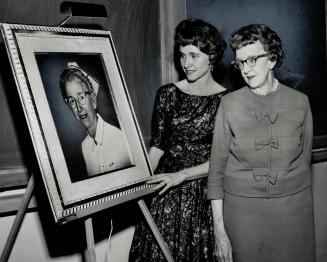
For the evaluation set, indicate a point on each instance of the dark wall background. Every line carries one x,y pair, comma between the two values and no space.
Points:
301,26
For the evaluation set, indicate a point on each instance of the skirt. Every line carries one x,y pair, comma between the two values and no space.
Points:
271,230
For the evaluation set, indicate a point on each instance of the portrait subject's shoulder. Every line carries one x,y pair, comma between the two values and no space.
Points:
112,128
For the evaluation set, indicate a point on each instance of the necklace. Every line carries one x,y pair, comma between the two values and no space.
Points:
274,88
275,85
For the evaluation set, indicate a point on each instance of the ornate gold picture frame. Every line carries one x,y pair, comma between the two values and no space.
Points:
83,171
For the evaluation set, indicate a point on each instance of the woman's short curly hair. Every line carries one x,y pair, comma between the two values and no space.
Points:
201,34
71,74
258,32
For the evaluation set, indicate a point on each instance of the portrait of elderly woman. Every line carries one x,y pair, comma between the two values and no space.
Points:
103,148
83,110
260,176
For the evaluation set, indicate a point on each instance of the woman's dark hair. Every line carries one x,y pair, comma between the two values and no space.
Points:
268,38
70,74
201,34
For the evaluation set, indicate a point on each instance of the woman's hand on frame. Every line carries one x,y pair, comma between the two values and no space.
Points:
166,181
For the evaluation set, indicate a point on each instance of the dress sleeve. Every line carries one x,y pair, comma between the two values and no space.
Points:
308,133
219,154
159,119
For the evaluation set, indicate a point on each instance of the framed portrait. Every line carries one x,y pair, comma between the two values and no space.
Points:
84,131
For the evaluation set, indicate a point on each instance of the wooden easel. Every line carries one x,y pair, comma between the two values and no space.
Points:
90,255
18,221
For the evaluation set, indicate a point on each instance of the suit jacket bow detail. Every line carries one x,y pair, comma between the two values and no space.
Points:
259,174
272,142
271,116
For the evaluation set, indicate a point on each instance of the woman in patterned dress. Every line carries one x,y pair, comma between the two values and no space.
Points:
260,176
182,126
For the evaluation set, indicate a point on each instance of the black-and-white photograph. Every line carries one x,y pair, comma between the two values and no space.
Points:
163,130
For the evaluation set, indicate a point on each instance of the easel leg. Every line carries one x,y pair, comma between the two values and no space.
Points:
155,230
90,251
18,221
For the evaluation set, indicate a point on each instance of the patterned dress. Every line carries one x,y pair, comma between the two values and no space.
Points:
182,127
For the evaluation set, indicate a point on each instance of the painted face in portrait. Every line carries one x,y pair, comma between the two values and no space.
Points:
82,102
257,70
194,62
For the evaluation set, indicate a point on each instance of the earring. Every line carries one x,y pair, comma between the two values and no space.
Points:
211,67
